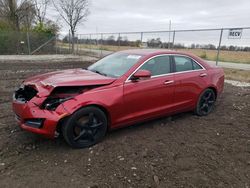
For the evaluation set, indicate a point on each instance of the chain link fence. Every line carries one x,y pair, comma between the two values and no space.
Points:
210,44
14,42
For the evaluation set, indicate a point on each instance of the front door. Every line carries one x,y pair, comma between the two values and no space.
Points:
148,98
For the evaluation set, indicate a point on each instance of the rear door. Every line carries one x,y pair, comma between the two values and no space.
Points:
147,98
190,80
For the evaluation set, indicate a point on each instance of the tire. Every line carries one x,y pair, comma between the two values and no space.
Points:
85,127
205,103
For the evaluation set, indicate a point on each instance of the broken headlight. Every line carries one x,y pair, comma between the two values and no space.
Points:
53,103
25,93
61,94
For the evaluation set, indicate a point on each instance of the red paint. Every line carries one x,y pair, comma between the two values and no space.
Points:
125,102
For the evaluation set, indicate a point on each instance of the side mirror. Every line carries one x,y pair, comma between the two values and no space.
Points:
141,74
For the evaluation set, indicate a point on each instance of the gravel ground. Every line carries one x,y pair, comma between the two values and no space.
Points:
179,151
237,83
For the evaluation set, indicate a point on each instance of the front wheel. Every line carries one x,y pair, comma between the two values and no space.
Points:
85,127
205,102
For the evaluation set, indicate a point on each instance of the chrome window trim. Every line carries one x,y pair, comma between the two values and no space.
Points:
172,73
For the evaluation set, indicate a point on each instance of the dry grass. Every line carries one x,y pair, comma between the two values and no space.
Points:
226,56
239,75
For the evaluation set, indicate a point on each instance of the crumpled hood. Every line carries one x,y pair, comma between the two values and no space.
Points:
70,77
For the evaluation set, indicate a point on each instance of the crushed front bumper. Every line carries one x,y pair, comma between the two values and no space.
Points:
26,112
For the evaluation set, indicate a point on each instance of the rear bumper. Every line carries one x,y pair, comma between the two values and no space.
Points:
29,110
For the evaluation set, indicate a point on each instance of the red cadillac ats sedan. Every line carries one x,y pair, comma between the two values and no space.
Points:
121,89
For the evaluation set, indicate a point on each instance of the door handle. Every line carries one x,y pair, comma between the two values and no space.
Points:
168,82
203,74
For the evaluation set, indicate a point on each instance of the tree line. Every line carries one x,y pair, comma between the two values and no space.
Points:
31,16
151,43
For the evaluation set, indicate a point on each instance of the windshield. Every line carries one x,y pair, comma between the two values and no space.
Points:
114,65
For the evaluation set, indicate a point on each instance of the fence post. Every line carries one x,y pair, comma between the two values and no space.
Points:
77,36
80,46
69,41
96,42
60,47
218,50
173,40
141,38
90,42
81,43
56,44
119,40
28,41
169,34
101,44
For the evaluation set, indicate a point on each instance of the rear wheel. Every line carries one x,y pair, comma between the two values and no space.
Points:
85,127
205,103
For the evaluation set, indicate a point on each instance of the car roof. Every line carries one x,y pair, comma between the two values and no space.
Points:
153,52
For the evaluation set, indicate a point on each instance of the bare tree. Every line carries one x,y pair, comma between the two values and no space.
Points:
73,13
41,9
27,15
16,11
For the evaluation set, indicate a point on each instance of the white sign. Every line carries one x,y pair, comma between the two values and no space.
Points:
235,34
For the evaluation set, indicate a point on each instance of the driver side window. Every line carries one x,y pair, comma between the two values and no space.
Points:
158,65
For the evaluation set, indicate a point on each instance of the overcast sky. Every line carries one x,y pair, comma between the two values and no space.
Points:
146,15
137,15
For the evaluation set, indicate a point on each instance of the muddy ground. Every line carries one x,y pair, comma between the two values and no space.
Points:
182,151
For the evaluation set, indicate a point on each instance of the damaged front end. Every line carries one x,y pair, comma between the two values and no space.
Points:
57,96
37,109
44,100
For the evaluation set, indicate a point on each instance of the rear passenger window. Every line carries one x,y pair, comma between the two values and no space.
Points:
185,64
158,65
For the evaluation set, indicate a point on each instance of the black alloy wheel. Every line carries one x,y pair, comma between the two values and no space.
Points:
206,102
85,127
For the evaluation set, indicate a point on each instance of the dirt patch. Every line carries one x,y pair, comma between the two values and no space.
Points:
181,151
